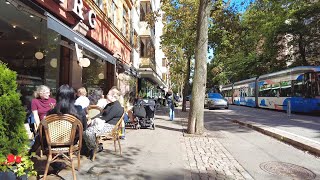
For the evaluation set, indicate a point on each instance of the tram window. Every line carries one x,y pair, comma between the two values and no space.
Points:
262,90
245,92
251,92
275,90
273,93
285,90
297,88
264,93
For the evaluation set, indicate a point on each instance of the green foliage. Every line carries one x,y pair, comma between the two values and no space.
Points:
13,135
22,167
178,40
254,43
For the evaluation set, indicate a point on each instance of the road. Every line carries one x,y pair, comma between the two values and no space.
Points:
262,156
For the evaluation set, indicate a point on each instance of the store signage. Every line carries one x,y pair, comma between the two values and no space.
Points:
76,7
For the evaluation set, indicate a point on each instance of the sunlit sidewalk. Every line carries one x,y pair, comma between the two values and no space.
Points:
164,153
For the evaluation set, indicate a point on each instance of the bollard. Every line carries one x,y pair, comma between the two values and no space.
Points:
289,108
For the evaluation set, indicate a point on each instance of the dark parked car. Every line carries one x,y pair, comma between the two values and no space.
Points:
216,100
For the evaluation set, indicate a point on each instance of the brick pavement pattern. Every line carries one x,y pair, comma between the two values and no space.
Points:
207,159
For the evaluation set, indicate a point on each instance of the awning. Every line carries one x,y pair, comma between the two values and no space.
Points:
64,30
127,69
144,73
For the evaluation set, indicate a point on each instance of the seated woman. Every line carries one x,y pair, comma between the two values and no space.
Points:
65,105
41,104
110,116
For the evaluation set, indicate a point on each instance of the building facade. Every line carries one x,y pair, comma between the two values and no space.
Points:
152,66
89,43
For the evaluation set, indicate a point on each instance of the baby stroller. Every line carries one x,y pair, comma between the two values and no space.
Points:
144,111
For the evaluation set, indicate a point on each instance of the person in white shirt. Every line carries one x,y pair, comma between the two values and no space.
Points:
82,99
96,98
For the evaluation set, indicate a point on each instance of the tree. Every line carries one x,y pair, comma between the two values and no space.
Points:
179,36
177,68
195,123
256,42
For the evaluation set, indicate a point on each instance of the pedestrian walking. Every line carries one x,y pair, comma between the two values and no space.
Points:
171,98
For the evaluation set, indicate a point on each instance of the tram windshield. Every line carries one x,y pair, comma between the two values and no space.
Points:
312,85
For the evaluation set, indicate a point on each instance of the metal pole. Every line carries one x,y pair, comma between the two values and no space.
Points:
289,108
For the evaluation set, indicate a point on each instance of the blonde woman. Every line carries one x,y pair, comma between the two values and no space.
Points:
41,104
82,99
110,116
113,110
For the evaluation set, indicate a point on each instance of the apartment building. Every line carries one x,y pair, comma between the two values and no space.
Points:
152,67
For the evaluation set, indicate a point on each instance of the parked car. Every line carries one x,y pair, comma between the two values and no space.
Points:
216,100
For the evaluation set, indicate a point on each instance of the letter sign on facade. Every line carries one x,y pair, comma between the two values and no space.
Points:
90,19
76,6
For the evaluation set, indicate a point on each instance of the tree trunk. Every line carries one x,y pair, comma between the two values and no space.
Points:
186,86
195,123
302,51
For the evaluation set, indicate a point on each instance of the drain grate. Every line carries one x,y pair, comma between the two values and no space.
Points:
287,169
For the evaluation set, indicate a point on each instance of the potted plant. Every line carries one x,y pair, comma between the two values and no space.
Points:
17,166
13,135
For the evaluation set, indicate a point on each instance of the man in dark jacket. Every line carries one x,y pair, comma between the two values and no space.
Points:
170,100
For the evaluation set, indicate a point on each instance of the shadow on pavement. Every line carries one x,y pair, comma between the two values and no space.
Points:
168,128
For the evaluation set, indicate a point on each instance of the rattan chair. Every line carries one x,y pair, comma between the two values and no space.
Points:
63,134
93,111
114,135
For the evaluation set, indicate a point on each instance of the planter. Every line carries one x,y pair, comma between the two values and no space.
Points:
11,176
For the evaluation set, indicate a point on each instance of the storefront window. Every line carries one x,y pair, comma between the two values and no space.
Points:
28,48
94,76
148,89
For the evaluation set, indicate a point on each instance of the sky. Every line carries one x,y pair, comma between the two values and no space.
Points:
241,5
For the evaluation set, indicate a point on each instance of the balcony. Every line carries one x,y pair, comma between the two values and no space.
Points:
144,29
147,69
147,64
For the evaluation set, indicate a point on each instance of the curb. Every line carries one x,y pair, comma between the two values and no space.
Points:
298,144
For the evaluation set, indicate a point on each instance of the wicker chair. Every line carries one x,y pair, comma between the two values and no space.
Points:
60,134
114,135
93,111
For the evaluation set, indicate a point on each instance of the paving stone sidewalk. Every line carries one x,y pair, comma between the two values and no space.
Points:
207,159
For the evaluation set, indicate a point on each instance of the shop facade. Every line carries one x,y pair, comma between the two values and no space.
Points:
60,42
